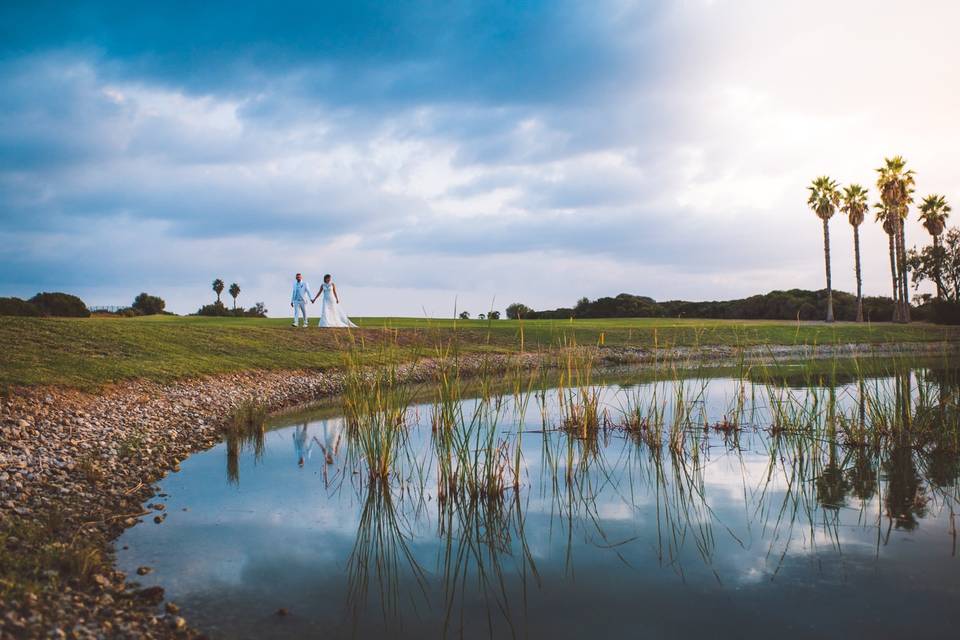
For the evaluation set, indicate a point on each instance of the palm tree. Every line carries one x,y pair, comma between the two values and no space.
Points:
895,184
934,212
824,199
890,228
218,288
234,291
855,206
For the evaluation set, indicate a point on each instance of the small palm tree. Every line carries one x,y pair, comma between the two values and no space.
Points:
934,212
895,183
218,288
234,291
855,206
890,228
824,199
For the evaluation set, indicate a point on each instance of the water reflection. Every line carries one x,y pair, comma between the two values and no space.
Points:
684,490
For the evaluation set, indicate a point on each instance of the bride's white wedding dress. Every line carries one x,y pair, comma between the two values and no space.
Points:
331,313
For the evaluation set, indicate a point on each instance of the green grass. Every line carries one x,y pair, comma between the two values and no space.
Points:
91,352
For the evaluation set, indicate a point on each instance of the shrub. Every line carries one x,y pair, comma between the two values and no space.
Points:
17,307
945,312
494,315
259,310
148,305
60,304
217,309
518,310
214,309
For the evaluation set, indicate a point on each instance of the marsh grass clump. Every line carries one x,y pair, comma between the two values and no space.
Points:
475,460
375,402
578,397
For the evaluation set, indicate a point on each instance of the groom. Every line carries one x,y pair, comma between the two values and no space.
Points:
298,300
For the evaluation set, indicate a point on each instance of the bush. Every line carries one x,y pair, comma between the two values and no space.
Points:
518,310
494,315
259,310
60,304
945,312
214,309
17,307
148,305
217,309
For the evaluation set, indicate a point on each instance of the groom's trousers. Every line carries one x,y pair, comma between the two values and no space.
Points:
300,309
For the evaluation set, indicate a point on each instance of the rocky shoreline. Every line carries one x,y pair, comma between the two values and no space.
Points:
75,469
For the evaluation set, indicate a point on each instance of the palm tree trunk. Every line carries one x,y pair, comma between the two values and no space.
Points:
856,254
826,258
904,284
936,266
894,279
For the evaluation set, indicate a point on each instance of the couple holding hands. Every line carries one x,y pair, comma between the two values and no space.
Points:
331,315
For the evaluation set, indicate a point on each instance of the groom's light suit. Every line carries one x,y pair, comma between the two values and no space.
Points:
300,296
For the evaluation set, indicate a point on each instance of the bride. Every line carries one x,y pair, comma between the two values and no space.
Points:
331,315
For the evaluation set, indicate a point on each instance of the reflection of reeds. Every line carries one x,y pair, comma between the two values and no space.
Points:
381,559
478,539
245,429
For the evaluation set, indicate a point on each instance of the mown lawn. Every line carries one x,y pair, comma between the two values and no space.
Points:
90,352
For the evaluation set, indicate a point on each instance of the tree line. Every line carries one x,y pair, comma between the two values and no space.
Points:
795,304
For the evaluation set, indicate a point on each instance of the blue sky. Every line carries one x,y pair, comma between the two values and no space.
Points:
433,152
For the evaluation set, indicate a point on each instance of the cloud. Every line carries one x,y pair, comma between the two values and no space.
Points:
534,151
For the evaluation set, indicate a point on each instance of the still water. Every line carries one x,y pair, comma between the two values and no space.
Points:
742,533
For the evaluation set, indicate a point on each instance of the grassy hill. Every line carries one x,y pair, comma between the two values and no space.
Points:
88,352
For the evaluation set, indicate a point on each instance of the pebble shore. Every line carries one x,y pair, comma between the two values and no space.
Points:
76,468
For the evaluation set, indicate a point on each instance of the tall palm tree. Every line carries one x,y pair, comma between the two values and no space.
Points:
218,288
824,199
855,206
895,184
890,228
934,212
234,291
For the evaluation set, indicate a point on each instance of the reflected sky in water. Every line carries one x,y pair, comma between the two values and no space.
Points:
752,535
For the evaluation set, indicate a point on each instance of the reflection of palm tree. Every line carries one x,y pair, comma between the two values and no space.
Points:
905,501
862,474
832,485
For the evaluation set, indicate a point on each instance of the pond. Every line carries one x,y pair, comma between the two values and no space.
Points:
682,507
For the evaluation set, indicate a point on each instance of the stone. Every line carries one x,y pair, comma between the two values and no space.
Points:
151,595
172,609
144,570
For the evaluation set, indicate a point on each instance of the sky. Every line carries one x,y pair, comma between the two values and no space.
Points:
441,155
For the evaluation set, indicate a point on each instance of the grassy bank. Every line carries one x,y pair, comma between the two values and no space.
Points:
91,352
